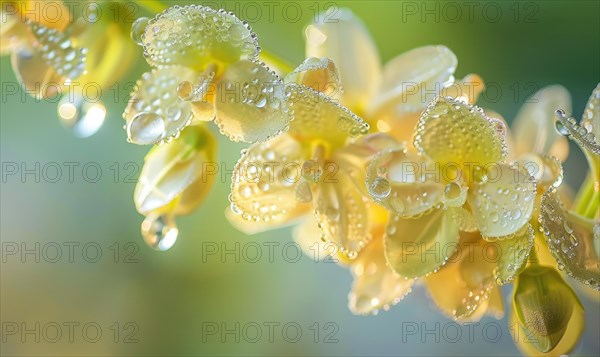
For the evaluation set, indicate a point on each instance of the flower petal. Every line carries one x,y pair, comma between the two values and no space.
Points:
413,79
58,51
573,240
265,178
467,90
417,247
513,254
503,204
318,117
320,74
54,15
403,183
308,236
534,124
292,217
155,112
591,116
546,170
545,308
342,213
450,131
463,218
465,282
38,78
586,139
375,286
197,36
250,103
171,169
348,43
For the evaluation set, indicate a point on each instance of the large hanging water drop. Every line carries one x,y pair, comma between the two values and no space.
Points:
146,128
159,231
83,117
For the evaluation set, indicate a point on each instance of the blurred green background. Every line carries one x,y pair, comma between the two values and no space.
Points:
164,302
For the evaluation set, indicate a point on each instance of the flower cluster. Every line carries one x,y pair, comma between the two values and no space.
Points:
392,170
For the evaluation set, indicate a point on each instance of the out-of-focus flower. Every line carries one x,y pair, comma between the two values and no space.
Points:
55,54
205,67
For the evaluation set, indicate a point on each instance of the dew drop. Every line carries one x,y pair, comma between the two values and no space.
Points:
380,188
159,231
146,128
561,128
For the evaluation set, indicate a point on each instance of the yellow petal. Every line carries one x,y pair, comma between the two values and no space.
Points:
308,236
417,247
534,124
404,183
573,240
450,131
51,14
171,169
58,51
375,286
547,315
503,204
584,134
155,112
251,103
465,282
292,217
513,254
342,213
13,31
467,90
319,118
197,36
265,178
412,79
464,219
39,79
546,170
348,43
320,74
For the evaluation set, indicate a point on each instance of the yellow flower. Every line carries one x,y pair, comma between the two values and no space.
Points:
54,54
309,168
205,67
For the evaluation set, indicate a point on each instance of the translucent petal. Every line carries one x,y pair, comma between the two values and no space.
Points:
412,79
264,179
293,217
375,286
417,247
318,117
546,170
342,213
250,103
58,51
348,43
404,183
170,169
503,204
591,116
465,282
544,308
513,254
155,112
588,142
534,124
320,74
13,32
197,36
573,240
308,236
39,79
452,132
463,218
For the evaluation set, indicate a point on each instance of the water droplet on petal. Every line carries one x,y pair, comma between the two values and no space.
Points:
562,129
146,128
380,188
